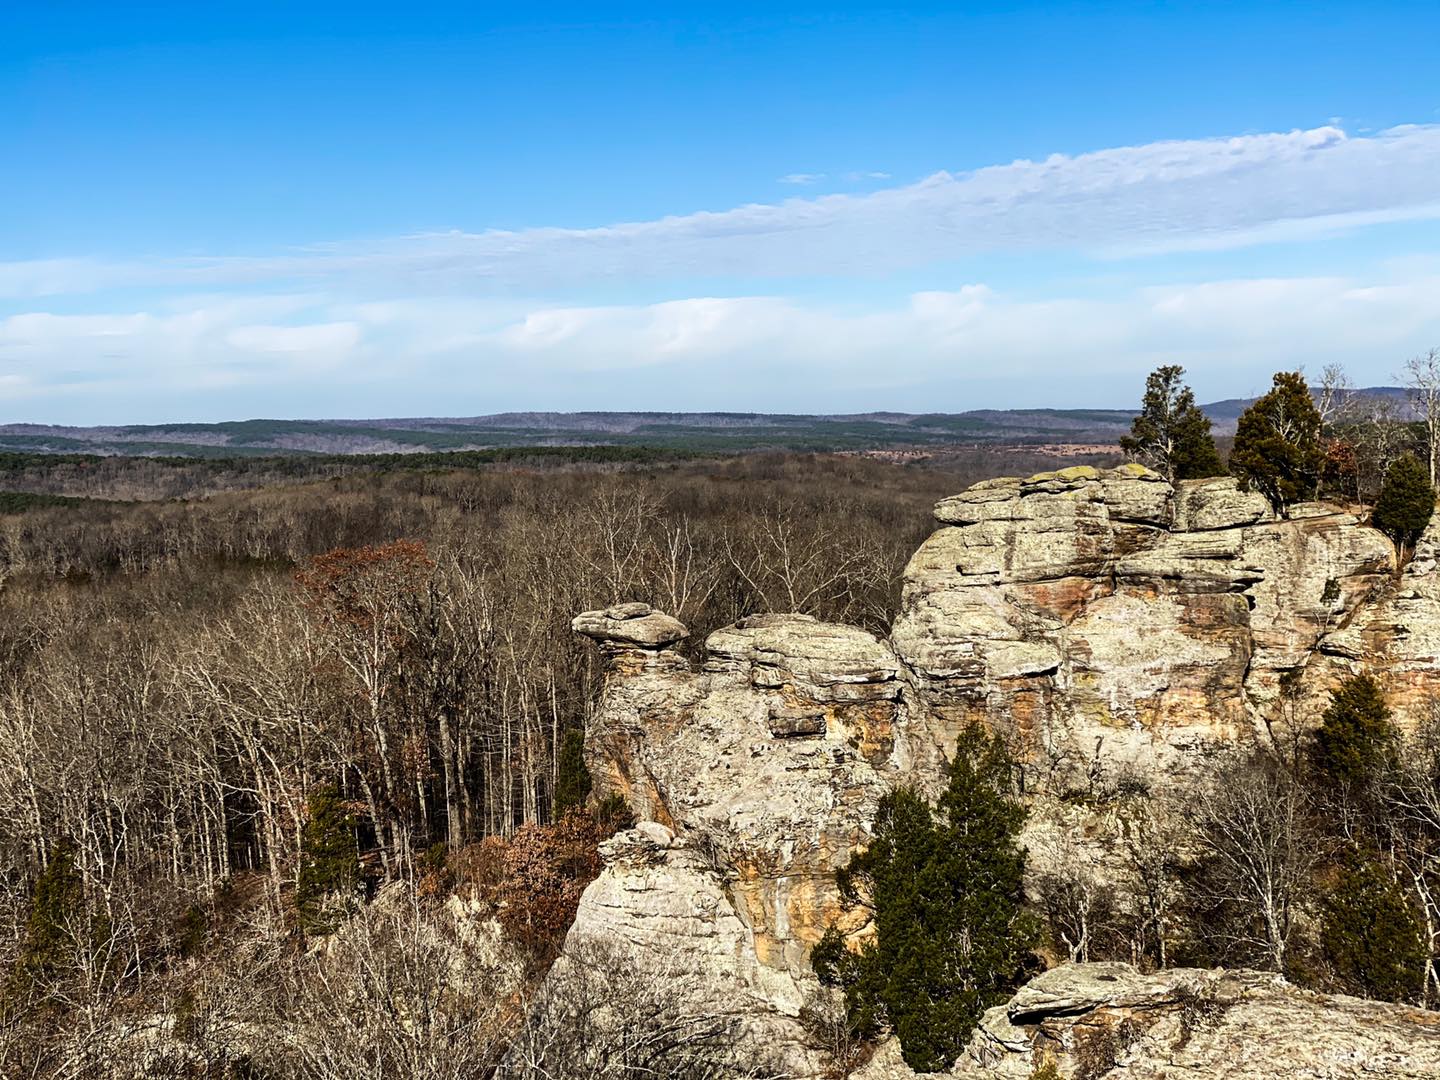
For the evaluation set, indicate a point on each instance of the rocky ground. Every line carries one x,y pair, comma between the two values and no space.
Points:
1107,1022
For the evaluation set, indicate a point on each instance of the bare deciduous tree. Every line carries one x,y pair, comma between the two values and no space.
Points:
1071,885
1252,831
1421,376
1336,395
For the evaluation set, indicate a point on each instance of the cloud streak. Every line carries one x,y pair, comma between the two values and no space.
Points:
1122,202
946,350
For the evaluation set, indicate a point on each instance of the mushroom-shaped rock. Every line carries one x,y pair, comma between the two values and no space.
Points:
637,625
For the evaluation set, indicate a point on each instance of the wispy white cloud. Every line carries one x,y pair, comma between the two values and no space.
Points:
751,352
1159,197
802,179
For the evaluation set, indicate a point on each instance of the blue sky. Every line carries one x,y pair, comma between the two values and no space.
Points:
215,212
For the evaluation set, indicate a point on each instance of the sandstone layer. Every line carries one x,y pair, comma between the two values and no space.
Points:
771,758
1106,614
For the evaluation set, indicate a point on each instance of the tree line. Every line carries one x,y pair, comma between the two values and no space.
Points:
1297,443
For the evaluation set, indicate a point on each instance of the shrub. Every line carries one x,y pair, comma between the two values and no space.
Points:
1371,934
614,815
546,869
952,936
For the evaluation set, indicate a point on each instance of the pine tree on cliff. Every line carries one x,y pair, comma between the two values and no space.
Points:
1371,934
572,778
1277,443
952,936
1171,435
1406,502
1356,739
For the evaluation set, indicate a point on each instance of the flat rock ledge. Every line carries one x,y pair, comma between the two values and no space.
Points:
1108,1021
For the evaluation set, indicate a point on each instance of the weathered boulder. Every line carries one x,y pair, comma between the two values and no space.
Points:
1108,1021
659,908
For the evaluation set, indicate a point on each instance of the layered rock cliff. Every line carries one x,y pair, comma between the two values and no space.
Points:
1093,617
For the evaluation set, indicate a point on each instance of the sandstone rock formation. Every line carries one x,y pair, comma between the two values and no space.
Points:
662,909
1105,612
1089,615
771,757
1107,1021
755,778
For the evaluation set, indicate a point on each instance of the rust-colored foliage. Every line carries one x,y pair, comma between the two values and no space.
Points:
1340,472
546,869
479,869
355,586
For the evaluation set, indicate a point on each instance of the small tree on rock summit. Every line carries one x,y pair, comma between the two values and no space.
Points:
1277,443
1171,435
1406,502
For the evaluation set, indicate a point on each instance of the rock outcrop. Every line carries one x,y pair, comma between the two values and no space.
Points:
1107,1021
1090,616
771,757
660,908
1104,612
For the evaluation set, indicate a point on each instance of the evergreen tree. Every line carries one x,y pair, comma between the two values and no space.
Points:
329,863
1277,443
1371,934
1355,739
1171,435
55,913
572,780
1406,502
952,936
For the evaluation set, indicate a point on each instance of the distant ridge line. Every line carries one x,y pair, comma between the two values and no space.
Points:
718,431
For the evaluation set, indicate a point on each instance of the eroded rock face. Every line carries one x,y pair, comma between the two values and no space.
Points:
772,758
660,907
1086,614
1108,1021
1400,636
1103,613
